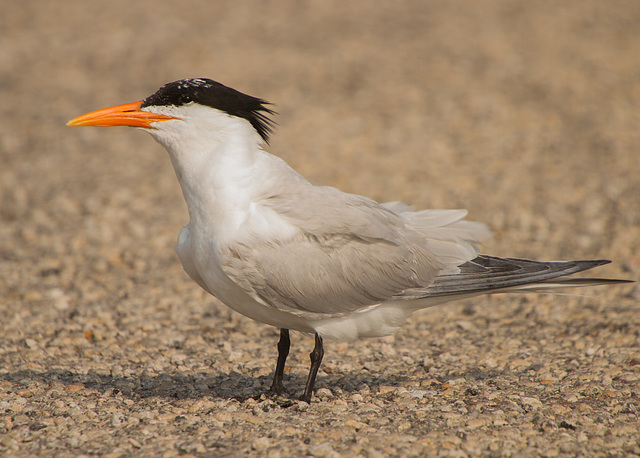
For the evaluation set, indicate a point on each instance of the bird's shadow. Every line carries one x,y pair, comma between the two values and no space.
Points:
219,385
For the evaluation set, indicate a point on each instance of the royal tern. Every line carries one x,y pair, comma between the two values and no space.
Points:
284,252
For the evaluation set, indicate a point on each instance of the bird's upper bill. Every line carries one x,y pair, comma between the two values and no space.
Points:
128,114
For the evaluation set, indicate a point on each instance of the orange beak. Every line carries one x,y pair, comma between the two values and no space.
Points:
128,114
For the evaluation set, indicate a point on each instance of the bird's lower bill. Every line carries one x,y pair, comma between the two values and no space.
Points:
128,114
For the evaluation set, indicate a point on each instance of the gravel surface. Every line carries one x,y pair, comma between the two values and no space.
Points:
526,113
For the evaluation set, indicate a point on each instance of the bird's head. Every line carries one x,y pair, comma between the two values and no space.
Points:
185,107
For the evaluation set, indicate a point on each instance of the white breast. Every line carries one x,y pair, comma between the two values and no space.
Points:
198,253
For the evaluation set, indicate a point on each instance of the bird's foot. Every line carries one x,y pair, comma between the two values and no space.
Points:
306,397
277,388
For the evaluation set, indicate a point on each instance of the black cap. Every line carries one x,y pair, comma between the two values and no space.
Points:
215,95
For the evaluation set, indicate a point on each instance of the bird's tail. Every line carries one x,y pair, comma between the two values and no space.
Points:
490,275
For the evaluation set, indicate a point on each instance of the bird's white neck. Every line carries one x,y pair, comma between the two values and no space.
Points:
217,164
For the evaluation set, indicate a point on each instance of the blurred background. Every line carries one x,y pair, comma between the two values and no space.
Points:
525,113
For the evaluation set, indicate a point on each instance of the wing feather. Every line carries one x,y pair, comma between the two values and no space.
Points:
337,274
485,274
349,252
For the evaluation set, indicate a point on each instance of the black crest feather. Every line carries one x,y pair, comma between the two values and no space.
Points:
215,95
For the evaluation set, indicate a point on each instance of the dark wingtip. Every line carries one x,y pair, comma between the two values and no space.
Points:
598,262
491,273
590,264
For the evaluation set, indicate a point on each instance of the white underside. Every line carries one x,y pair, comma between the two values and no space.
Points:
376,321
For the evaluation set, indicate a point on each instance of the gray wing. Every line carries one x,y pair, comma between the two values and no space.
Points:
349,254
490,273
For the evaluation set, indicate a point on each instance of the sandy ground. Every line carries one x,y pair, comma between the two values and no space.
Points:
526,113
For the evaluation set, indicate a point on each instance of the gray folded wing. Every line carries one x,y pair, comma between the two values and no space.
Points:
490,273
350,253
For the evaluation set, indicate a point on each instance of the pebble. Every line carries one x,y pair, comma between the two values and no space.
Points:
261,444
324,393
323,450
533,402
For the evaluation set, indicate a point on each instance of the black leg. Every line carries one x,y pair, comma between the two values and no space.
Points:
316,358
283,352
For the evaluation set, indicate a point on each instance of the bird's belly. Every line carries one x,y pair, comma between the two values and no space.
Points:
237,299
203,265
200,261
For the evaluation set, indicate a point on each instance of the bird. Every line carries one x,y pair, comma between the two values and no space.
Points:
297,256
